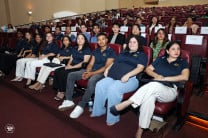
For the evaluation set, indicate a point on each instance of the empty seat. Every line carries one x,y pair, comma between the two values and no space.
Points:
11,43
179,32
196,44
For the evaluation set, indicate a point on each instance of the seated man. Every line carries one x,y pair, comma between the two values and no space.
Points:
57,34
96,31
102,57
83,29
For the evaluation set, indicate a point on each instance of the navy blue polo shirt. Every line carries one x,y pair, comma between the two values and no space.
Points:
164,68
101,57
19,45
51,48
31,45
125,63
35,47
58,36
65,51
27,45
78,56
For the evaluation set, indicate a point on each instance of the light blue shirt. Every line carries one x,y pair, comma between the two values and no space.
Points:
93,39
87,35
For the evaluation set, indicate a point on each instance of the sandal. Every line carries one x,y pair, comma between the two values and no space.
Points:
39,88
59,96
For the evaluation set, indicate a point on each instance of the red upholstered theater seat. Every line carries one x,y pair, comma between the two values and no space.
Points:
164,108
195,44
179,32
59,43
12,43
93,46
1,41
117,48
4,42
3,34
108,30
12,34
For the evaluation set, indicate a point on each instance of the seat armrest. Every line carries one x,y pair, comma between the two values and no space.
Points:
143,78
181,85
183,99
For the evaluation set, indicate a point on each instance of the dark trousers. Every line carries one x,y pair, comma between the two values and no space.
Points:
7,62
60,78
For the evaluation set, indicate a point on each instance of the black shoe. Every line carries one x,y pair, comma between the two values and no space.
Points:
114,111
27,85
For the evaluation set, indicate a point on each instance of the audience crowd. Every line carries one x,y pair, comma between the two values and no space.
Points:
76,48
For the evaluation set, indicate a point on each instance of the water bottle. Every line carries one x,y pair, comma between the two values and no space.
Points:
90,105
50,81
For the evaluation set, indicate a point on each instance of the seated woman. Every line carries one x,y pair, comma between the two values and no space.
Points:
153,23
126,23
50,51
171,25
10,28
136,30
79,55
160,41
62,56
170,68
31,55
8,59
190,24
120,78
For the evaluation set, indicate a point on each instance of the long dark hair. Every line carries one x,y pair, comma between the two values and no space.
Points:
63,41
138,26
169,24
31,37
86,43
39,36
156,38
169,45
140,48
150,24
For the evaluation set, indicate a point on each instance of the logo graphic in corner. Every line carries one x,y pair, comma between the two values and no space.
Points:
9,128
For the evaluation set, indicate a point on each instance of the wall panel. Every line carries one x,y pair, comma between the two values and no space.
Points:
44,9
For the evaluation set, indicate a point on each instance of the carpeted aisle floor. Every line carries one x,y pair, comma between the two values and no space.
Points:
29,120
35,115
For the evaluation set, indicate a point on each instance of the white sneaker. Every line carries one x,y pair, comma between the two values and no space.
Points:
66,105
76,112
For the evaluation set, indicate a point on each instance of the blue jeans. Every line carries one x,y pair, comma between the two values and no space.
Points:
111,90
